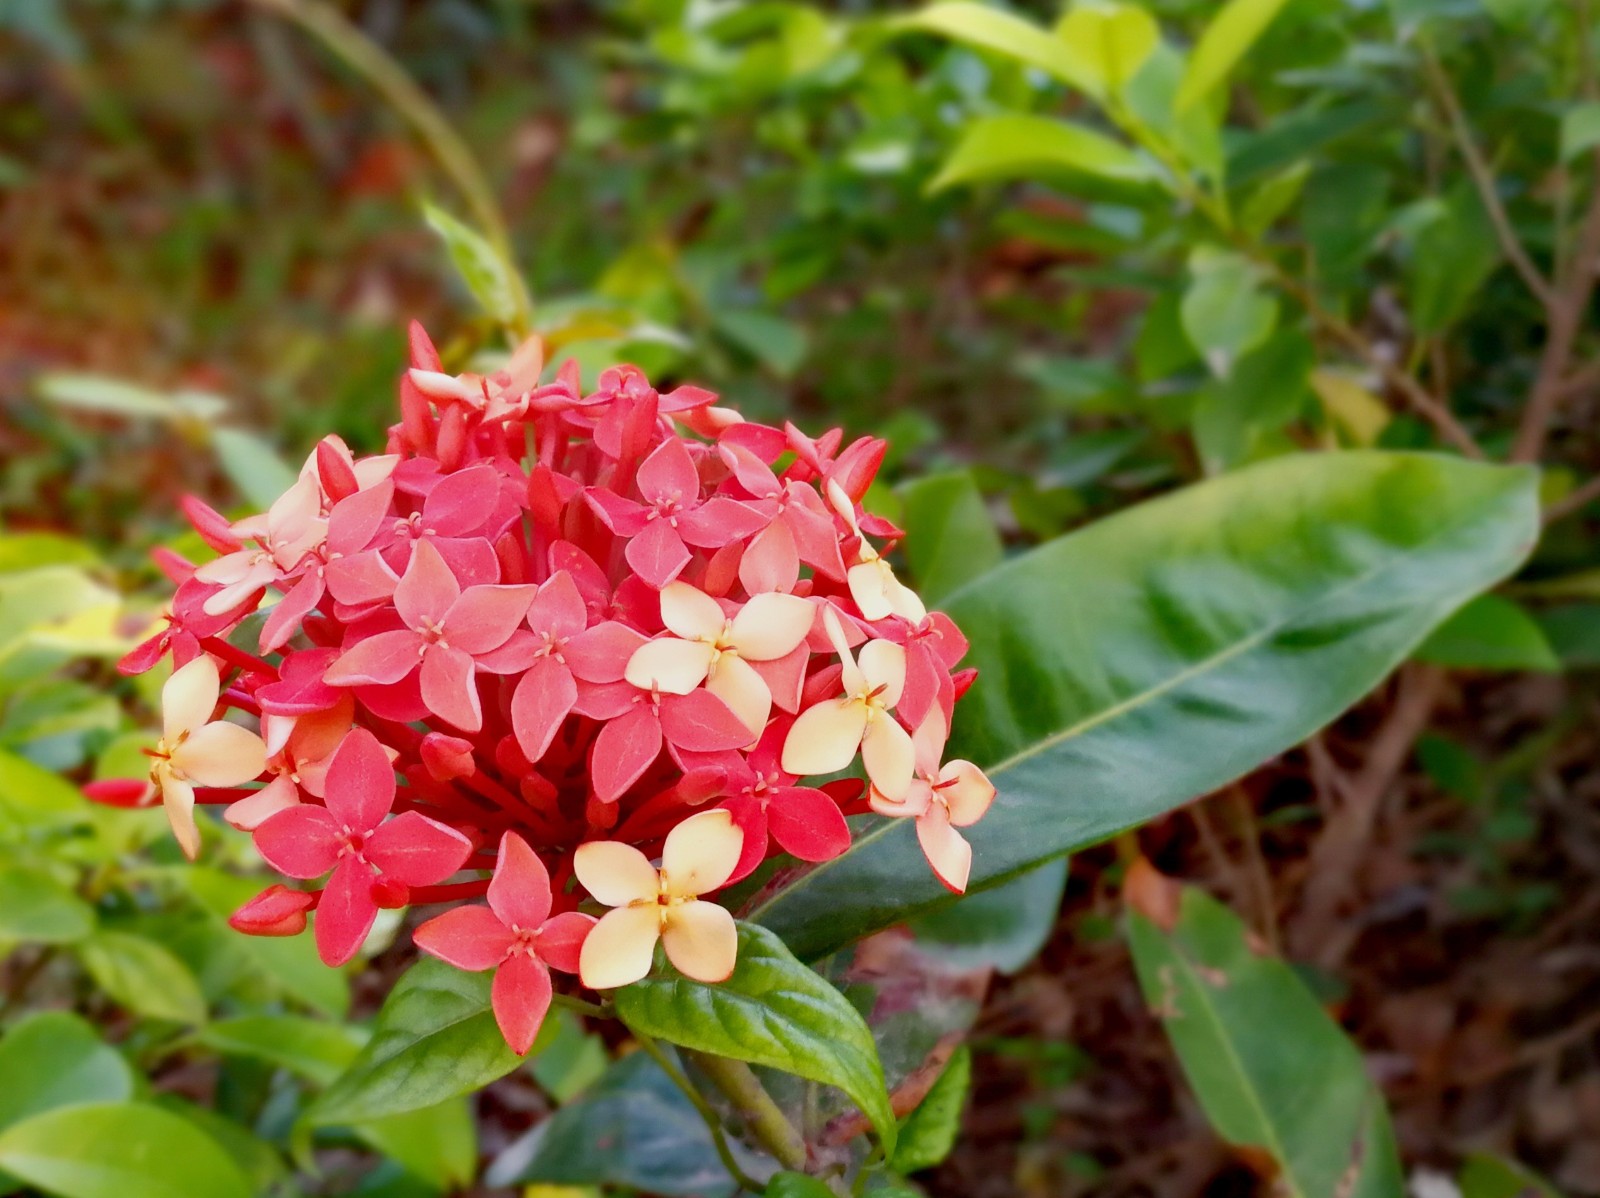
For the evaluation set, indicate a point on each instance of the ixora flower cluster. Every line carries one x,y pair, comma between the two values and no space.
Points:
545,641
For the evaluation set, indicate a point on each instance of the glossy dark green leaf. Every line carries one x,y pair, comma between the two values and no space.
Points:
773,1011
119,1150
37,909
57,1059
143,976
437,1143
1003,928
950,539
1231,1012
1490,633
435,1039
1485,1176
1161,653
929,1132
308,1048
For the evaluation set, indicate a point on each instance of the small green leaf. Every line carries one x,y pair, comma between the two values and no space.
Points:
950,539
1229,1010
435,1039
1003,928
119,1150
1452,257
1485,1176
1274,196
36,909
1580,129
1225,41
1224,312
56,1059
773,1011
1113,40
252,466
991,29
778,344
438,1143
143,976
487,275
797,1185
929,1132
104,395
1490,633
1020,146
309,1048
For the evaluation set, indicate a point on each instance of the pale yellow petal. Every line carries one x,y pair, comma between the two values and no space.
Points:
669,665
690,612
869,587
250,812
188,697
700,853
883,664
945,848
886,752
903,601
737,684
917,799
221,754
968,794
928,740
615,873
701,940
853,681
177,797
771,625
825,738
841,503
621,947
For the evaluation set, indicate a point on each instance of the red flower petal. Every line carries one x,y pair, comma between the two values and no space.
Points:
485,617
377,660
520,996
668,474
625,748
346,912
417,851
300,841
807,823
657,553
702,723
561,939
427,589
469,938
360,787
449,687
519,892
542,700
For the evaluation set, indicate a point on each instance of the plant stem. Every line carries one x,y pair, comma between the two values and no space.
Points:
579,1007
374,64
718,1137
755,1106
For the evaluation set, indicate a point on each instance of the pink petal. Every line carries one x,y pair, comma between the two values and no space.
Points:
447,757
284,618
719,521
702,723
605,700
427,589
625,748
472,559
771,563
622,516
416,851
360,785
361,579
601,654
378,660
558,608
469,938
485,616
560,941
657,554
356,519
345,913
516,655
807,823
668,474
750,816
521,996
519,892
543,699
449,687
300,842
462,502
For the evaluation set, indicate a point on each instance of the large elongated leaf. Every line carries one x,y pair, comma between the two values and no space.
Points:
1169,649
435,1039
773,1011
1020,146
991,29
1227,38
57,1059
1230,1011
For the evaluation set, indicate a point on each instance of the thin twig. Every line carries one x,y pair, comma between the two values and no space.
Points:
755,1106
1483,179
718,1137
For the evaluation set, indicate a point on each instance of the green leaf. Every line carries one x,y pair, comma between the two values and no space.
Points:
1272,198
1003,928
31,550
104,395
438,1143
1225,41
929,1132
1224,311
487,275
308,1048
797,1185
1167,650
950,539
143,976
1580,129
36,909
1020,146
1229,1011
1573,630
119,1150
435,1039
773,1011
1485,1176
1452,257
991,29
1113,40
1490,633
252,466
56,1059
778,344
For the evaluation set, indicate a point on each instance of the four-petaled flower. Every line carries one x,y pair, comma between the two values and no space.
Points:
516,936
289,530
194,750
449,632
941,799
711,648
353,837
650,905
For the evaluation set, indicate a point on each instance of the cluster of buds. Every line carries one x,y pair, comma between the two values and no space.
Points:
545,641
